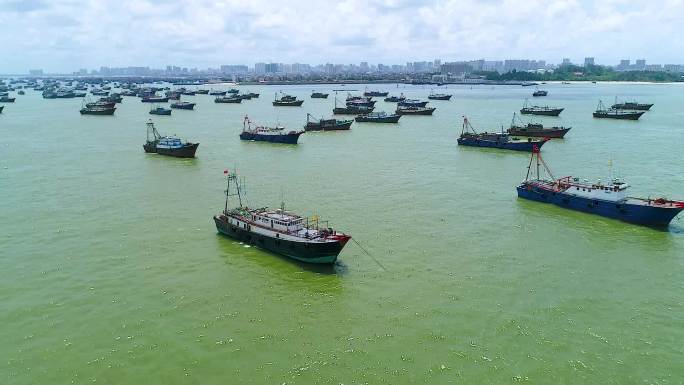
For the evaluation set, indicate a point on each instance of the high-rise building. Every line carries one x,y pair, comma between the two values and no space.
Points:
566,62
640,65
588,61
260,68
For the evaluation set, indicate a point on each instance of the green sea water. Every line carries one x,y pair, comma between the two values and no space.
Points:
113,273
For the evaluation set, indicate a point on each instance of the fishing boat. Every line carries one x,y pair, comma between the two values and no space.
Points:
202,92
396,99
7,99
99,92
173,95
187,92
470,137
154,99
540,93
378,117
97,110
634,106
411,110
253,94
183,105
604,199
434,96
375,93
362,101
268,134
100,103
228,99
2,108
167,145
217,93
528,84
278,231
602,112
536,130
158,110
412,103
21,92
319,95
233,91
244,96
326,124
114,98
540,110
287,101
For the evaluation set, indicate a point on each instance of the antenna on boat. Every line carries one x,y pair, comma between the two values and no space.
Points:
536,154
234,177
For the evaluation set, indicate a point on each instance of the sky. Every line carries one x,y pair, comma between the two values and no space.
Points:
65,35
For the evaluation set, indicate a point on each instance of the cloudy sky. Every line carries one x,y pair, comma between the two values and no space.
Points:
64,35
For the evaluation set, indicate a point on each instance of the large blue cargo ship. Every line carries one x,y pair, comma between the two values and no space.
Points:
605,199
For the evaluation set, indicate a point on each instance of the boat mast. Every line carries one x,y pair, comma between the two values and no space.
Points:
232,176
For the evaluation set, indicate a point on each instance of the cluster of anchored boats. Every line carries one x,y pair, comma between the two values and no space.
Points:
608,199
312,240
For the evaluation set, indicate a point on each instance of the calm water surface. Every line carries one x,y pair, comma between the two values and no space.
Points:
113,273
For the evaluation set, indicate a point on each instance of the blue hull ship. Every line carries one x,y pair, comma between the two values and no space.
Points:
268,134
469,137
607,200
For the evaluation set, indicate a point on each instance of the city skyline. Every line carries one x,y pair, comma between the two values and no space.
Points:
63,36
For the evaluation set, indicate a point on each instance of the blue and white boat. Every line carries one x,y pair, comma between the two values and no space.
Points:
412,103
605,199
167,145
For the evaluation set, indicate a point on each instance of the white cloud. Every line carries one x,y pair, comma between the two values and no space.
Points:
63,35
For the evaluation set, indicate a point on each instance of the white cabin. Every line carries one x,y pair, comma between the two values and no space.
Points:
613,192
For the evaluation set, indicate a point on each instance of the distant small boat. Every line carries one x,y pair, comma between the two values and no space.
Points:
167,145
470,137
202,92
7,99
287,100
217,93
114,98
2,108
540,110
228,99
253,94
540,93
21,92
183,105
319,95
602,112
528,84
160,111
412,103
378,117
632,106
268,134
154,99
233,91
412,110
352,109
396,99
434,96
97,110
101,103
536,130
375,93
326,124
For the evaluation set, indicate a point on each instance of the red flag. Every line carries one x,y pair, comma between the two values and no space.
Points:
225,172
